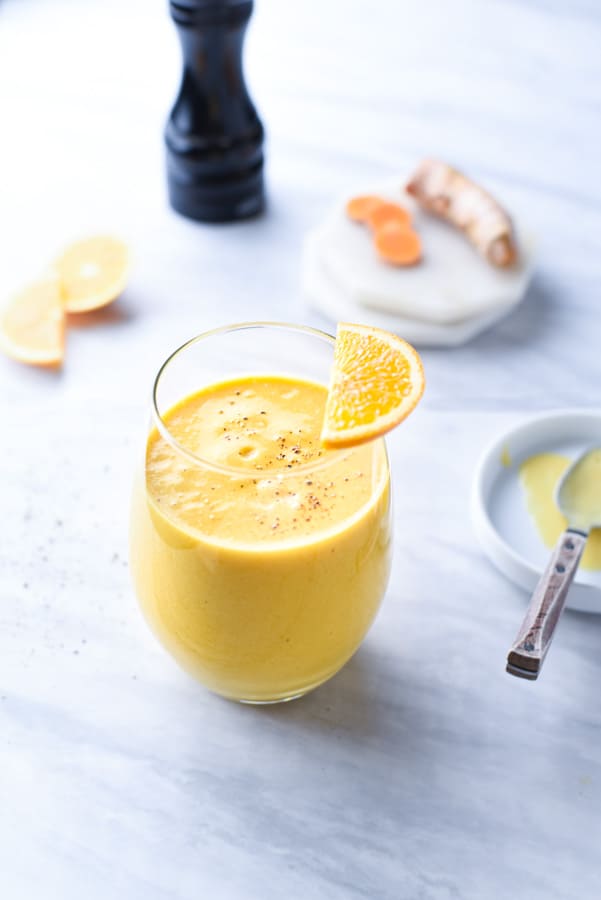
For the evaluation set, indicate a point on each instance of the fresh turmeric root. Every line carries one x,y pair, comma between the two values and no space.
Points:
447,193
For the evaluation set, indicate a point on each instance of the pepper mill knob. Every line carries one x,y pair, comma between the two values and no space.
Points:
214,137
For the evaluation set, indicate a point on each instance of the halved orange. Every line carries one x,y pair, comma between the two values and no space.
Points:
32,324
376,381
92,272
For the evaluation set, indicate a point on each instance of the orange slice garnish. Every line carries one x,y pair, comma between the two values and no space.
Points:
92,272
32,324
377,380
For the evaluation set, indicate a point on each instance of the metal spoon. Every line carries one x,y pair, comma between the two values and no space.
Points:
578,497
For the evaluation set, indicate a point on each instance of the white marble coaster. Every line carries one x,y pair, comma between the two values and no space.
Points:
452,284
325,294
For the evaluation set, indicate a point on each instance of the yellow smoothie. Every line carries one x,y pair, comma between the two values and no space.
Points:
262,566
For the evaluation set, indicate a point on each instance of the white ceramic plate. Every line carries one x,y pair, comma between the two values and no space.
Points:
499,513
328,297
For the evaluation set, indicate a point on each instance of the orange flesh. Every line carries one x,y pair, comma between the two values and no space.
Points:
32,324
93,272
377,380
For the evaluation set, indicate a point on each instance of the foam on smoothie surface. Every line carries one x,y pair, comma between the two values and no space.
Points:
267,429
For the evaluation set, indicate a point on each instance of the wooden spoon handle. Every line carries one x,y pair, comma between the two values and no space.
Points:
526,657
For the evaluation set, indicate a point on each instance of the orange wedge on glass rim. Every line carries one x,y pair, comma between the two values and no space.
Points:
92,272
32,324
377,380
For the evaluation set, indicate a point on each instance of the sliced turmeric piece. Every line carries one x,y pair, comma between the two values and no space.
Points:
452,196
398,244
393,236
388,212
360,208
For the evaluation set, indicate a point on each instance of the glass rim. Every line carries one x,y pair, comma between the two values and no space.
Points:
245,472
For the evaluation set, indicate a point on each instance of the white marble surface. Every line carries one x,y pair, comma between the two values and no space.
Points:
421,772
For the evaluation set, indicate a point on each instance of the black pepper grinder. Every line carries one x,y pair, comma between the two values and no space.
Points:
214,136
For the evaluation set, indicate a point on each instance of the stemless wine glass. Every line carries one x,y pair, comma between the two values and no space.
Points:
259,559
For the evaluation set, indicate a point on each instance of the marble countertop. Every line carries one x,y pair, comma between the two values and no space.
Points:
422,771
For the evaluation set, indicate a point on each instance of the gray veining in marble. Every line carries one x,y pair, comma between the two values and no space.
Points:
422,771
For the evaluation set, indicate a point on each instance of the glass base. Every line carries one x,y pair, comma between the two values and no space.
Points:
273,702
285,698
